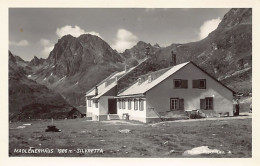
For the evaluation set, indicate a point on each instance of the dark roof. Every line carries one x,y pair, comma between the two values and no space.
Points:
82,110
101,82
154,74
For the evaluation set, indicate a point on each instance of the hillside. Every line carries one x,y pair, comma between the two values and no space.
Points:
30,100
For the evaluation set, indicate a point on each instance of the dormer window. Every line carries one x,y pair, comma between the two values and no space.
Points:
139,81
149,78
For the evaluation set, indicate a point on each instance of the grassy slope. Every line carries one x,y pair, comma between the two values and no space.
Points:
143,140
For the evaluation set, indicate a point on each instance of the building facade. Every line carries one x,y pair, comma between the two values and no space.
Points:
166,93
184,87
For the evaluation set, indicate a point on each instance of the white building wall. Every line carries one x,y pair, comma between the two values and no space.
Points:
133,114
92,110
103,104
158,98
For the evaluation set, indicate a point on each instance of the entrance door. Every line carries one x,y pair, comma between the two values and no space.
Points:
112,106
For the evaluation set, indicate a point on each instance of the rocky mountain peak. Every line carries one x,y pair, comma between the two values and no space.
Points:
36,61
235,17
11,57
72,55
156,45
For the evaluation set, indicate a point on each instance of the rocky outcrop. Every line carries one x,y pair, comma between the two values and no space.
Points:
76,65
36,61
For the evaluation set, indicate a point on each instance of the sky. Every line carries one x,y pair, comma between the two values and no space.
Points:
34,31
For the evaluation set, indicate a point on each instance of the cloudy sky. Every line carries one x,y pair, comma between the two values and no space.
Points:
33,32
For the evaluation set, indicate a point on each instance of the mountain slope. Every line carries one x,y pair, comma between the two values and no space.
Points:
30,100
77,64
225,51
138,51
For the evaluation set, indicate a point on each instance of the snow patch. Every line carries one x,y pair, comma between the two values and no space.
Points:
53,66
62,79
202,150
29,76
20,127
51,74
44,78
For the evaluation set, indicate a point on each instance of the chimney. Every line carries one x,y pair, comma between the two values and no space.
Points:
96,90
173,62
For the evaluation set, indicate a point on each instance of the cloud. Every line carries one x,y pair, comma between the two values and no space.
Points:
75,31
45,42
124,40
208,26
20,43
47,47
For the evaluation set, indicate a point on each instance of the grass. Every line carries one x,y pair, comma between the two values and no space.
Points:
144,140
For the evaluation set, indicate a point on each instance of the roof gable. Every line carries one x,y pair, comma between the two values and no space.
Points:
144,86
212,77
140,88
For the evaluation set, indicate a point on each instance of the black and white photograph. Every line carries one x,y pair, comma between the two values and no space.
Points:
130,82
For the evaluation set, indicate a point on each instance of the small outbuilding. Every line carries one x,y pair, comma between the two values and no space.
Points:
74,113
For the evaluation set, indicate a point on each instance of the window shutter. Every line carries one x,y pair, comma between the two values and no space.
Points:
119,102
202,104
195,83
181,104
212,103
184,83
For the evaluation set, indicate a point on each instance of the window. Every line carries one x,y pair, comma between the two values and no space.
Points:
89,103
96,103
200,84
123,104
135,104
177,83
174,104
119,104
207,103
177,104
129,104
180,83
141,105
